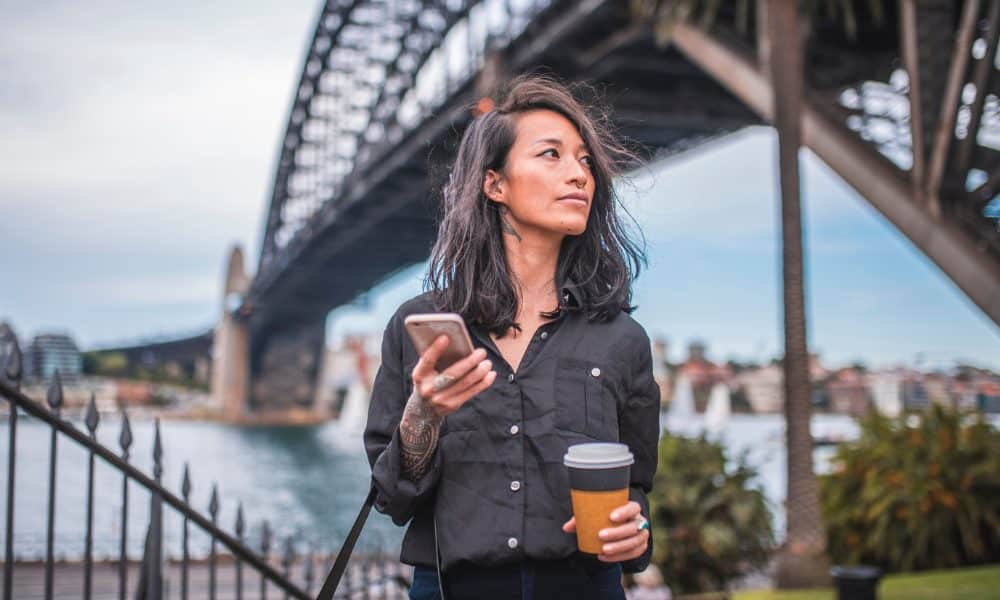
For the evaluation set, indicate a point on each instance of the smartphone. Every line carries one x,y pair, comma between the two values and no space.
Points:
424,328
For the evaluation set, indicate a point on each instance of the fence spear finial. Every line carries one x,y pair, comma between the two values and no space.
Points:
186,483
157,451
14,367
92,417
125,437
55,395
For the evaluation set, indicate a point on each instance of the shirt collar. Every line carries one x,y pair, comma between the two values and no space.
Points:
570,294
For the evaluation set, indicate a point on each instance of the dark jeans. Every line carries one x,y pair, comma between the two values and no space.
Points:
573,578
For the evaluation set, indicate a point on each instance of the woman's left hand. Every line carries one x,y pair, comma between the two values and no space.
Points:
622,542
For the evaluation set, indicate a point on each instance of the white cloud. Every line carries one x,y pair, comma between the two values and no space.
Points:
153,290
115,108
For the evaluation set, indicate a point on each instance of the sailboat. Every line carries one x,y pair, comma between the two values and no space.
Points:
718,411
354,413
681,416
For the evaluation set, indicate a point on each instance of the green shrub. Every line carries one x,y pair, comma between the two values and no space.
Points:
709,526
105,363
919,496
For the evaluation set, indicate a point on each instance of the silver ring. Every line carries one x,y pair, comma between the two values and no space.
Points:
441,381
641,523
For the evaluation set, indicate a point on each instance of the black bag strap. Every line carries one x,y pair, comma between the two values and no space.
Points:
437,561
340,565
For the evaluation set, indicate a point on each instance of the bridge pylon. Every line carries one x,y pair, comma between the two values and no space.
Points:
285,364
231,344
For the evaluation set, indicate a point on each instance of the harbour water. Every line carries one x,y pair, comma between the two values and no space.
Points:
308,482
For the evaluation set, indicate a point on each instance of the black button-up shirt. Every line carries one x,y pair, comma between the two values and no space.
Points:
497,486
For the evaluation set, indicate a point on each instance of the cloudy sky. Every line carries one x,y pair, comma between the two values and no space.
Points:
138,147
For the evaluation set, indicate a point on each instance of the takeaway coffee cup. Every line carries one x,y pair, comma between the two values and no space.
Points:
598,482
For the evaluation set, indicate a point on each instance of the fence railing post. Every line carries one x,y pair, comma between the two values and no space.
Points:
12,374
150,585
55,400
185,552
124,440
92,419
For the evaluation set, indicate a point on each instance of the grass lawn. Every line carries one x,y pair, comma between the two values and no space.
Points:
953,584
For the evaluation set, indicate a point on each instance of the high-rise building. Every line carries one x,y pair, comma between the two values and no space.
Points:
915,395
49,352
8,339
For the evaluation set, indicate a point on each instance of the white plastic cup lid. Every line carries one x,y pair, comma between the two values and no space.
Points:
598,455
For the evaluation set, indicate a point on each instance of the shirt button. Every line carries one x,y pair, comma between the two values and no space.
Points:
515,485
595,372
544,335
514,429
510,378
512,543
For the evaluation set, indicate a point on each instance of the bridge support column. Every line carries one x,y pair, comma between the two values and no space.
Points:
285,370
231,345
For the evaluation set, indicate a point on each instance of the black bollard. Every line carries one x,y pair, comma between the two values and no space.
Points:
857,582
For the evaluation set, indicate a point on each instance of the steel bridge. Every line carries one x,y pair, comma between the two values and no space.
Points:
902,103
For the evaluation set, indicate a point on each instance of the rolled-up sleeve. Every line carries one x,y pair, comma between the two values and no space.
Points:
639,428
396,496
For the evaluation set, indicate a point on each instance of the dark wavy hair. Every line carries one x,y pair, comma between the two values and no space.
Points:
468,268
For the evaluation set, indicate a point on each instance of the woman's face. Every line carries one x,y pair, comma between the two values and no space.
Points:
547,185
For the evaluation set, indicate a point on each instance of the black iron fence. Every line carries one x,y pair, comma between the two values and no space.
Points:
373,574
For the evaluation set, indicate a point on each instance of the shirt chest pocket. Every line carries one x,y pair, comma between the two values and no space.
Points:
582,401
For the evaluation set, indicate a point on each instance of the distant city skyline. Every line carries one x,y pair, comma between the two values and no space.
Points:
140,147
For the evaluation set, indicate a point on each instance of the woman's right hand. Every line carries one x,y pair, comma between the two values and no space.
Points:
468,377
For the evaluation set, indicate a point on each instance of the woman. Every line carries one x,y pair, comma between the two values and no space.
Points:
532,253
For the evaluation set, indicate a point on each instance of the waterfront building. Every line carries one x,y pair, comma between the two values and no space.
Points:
988,394
914,394
348,370
988,400
938,388
702,374
963,393
49,352
131,392
847,392
661,371
886,388
764,388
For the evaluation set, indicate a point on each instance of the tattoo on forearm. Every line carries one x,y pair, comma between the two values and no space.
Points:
418,434
505,225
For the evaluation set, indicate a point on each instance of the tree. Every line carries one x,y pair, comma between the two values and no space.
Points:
916,492
802,561
711,522
780,52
